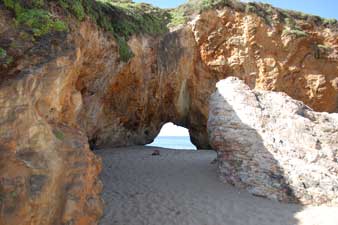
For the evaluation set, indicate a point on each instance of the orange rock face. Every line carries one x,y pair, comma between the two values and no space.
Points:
245,46
66,93
48,173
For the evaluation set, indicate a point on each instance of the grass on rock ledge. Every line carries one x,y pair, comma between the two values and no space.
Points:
269,13
124,18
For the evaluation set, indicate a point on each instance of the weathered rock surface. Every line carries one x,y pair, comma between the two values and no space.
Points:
233,43
48,173
274,146
65,92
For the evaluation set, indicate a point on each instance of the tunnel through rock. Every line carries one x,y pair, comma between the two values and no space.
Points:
173,137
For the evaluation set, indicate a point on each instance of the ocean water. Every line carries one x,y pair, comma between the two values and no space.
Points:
182,142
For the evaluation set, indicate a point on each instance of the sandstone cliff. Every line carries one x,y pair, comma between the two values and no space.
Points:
76,75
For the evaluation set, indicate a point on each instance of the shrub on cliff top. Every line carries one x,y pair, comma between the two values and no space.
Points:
40,21
5,58
75,7
296,33
31,14
125,18
121,17
291,28
266,11
3,53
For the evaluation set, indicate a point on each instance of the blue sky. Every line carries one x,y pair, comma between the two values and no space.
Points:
170,129
323,8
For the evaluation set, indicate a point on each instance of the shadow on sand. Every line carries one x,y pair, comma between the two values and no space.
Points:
179,187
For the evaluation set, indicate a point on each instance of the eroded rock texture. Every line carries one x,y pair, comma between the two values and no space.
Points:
274,146
66,92
232,43
48,173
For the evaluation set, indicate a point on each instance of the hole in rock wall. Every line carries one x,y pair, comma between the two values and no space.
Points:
173,137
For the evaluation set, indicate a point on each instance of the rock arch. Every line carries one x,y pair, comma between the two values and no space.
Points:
67,90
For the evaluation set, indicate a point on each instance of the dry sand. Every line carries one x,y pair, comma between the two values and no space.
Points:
182,188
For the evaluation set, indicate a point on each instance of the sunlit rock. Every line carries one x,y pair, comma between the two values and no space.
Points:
273,145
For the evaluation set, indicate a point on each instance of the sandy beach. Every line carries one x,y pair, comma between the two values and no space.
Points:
182,188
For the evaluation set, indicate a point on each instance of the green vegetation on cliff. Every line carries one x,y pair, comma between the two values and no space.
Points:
3,53
124,18
5,59
32,15
269,13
